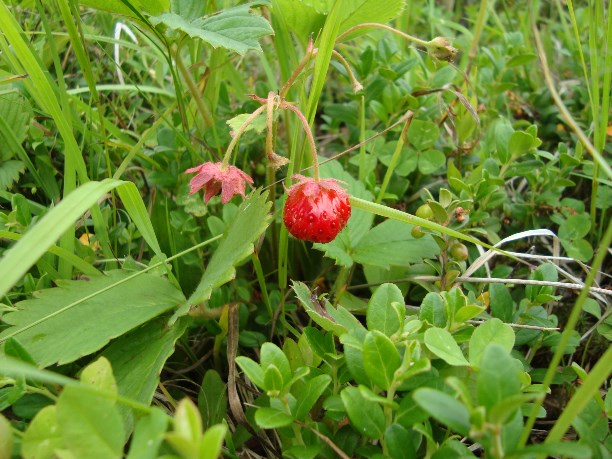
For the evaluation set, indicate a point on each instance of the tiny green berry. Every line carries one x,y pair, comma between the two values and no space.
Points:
458,251
424,212
417,232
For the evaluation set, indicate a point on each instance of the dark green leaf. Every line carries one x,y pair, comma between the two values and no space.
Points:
380,359
432,310
307,393
212,399
367,417
391,244
502,305
499,376
386,309
444,408
401,443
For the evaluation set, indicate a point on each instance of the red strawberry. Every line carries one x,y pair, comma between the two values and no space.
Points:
316,211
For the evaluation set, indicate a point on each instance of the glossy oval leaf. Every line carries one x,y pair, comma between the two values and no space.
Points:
441,343
380,359
366,416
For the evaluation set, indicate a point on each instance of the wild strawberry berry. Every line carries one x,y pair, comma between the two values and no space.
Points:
316,211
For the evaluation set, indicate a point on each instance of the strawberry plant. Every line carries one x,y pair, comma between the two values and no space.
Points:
305,229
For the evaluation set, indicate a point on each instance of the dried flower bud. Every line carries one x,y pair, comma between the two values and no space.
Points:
441,48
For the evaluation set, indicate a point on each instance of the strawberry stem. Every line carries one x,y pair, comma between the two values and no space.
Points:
239,133
416,40
357,86
270,124
310,53
313,147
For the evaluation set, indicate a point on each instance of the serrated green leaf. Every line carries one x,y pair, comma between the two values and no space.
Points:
16,112
118,7
188,9
443,345
9,173
251,220
360,11
391,244
235,29
79,317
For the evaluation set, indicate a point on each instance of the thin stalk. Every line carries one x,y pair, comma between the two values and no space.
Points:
589,387
261,279
388,212
567,332
364,25
310,53
239,133
481,20
193,89
313,147
395,158
357,86
362,134
597,158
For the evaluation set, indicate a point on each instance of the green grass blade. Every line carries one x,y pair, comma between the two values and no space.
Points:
585,392
35,242
77,262
45,93
138,212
